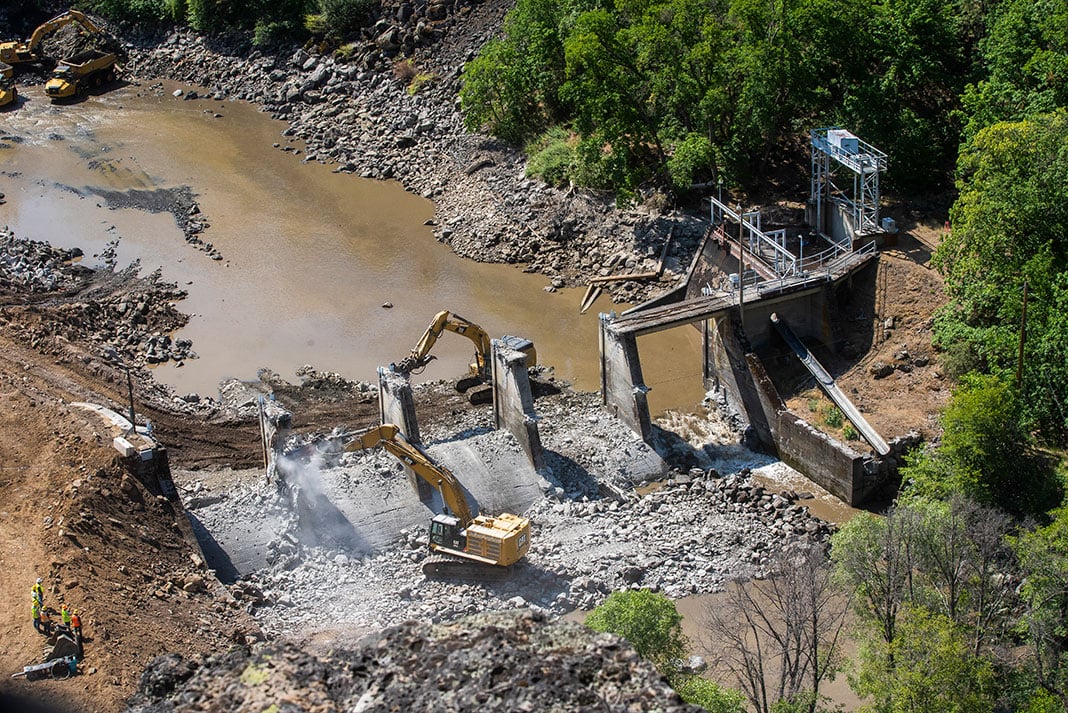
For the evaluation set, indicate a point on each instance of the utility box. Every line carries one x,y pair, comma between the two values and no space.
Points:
889,225
843,141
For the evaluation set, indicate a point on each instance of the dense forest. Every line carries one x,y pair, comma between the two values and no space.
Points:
961,590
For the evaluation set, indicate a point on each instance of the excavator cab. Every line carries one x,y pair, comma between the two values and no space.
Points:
447,531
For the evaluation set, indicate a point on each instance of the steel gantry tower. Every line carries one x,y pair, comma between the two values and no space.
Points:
837,157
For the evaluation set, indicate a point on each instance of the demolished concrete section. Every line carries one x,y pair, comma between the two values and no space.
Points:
513,402
356,537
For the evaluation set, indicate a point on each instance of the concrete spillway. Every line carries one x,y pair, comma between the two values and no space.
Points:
827,383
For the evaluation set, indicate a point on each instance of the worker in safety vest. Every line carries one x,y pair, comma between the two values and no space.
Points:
38,592
64,613
76,625
35,612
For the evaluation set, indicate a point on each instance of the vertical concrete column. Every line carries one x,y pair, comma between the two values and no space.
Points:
396,404
513,402
275,424
623,390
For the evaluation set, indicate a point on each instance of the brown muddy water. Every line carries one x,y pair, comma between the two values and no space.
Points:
310,256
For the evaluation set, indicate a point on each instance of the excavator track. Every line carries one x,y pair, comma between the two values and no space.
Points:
446,567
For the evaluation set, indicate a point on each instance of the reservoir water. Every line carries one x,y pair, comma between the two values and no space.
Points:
310,255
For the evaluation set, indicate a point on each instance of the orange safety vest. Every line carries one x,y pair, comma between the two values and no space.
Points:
75,621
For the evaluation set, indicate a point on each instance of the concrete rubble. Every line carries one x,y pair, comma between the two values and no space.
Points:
493,662
353,563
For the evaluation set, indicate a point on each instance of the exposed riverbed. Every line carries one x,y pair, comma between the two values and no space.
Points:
308,256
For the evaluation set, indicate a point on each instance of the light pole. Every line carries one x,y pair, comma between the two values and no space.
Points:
741,272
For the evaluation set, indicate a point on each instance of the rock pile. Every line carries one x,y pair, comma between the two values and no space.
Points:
492,663
179,202
127,316
34,266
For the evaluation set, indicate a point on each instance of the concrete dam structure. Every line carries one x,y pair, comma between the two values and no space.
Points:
741,282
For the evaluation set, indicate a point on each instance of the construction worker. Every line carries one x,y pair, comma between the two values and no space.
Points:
35,611
64,614
76,625
38,593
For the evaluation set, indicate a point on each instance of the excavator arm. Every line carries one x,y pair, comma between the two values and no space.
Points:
463,545
57,22
446,321
16,52
438,476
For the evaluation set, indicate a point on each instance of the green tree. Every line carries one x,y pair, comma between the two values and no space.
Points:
985,453
1010,226
914,67
648,621
928,667
136,10
934,595
511,89
1043,557
1026,56
710,695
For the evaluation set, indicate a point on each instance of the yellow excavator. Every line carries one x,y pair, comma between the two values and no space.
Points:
465,545
479,370
15,52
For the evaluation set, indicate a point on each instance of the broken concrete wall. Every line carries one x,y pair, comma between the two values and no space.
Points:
396,404
851,476
826,461
623,389
275,425
513,402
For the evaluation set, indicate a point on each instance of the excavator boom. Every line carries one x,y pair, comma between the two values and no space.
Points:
479,370
446,321
438,476
16,52
476,540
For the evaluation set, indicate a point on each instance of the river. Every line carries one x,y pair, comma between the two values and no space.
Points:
310,256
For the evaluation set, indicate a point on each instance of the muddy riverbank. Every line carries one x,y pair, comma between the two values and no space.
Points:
358,117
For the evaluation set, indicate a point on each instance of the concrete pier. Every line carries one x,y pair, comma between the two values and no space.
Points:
513,402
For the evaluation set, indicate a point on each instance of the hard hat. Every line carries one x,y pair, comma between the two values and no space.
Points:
38,580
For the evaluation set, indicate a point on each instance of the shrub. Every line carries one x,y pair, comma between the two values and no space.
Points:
849,432
710,696
833,417
648,621
340,17
551,156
